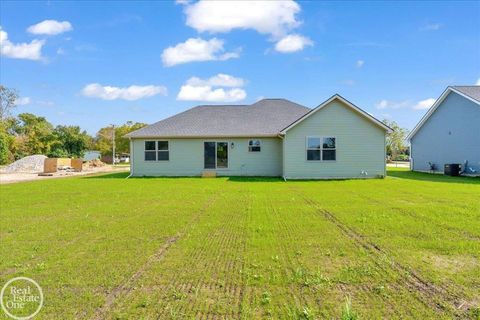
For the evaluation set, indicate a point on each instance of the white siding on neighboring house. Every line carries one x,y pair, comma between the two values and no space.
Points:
360,145
187,158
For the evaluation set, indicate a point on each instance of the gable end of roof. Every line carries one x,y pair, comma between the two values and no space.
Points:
460,90
347,103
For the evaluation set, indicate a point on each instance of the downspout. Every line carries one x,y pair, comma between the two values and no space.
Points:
410,155
385,155
131,158
283,156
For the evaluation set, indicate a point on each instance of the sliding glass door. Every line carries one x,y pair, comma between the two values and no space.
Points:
209,155
222,154
215,155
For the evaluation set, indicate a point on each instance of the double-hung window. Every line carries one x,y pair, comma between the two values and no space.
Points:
156,151
254,146
321,149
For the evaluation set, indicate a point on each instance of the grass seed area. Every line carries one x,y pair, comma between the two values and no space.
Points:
106,247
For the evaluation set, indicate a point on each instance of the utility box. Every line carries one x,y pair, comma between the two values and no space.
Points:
452,169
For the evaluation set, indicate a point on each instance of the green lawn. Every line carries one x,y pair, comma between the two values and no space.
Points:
407,246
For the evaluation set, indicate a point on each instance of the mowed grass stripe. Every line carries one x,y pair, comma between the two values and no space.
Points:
461,297
126,287
108,252
260,251
201,276
315,279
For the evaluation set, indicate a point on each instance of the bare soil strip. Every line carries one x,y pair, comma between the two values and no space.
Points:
433,296
127,286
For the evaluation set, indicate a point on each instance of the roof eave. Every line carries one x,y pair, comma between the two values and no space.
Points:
273,135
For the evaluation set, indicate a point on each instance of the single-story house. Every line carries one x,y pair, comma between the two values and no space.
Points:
449,132
272,137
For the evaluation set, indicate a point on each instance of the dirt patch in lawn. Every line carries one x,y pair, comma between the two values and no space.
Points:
454,264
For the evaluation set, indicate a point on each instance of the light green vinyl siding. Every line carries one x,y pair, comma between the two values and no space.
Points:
187,159
360,145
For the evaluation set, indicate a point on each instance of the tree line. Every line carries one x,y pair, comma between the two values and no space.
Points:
28,134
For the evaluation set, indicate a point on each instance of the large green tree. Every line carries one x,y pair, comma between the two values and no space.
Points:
35,134
105,135
69,141
396,141
8,101
4,153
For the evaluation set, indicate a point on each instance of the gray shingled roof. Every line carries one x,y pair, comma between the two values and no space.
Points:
266,117
471,91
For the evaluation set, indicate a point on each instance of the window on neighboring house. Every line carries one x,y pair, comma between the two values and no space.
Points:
254,146
321,149
156,150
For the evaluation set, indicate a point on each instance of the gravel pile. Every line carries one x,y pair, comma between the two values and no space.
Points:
30,164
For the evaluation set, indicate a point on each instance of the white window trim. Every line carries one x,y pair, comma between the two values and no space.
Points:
248,146
216,144
320,149
156,151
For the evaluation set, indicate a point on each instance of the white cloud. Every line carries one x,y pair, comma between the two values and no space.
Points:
60,51
478,82
196,89
206,93
274,18
292,43
420,105
196,49
30,51
22,101
50,27
386,104
220,80
424,104
431,27
182,2
267,17
134,92
360,63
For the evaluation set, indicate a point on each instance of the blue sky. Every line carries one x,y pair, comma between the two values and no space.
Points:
96,63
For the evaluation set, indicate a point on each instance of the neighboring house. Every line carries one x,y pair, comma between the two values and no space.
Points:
122,158
91,155
449,132
272,137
